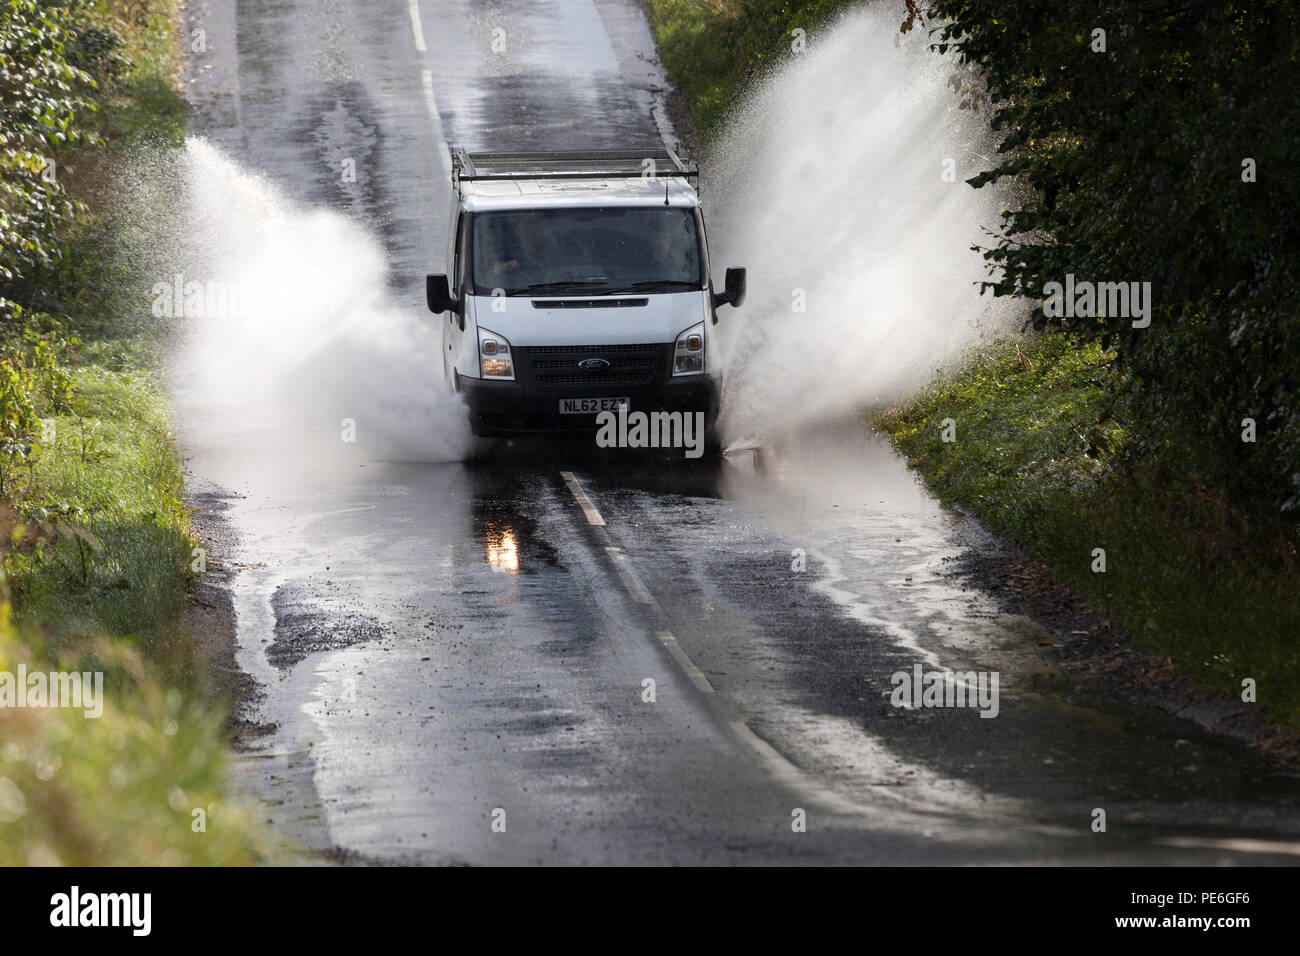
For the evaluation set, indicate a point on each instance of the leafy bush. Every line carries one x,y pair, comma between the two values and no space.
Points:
44,109
33,379
1132,159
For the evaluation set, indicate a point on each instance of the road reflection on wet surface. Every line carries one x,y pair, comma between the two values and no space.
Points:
436,642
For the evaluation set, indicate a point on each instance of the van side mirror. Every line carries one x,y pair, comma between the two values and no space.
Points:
733,291
437,293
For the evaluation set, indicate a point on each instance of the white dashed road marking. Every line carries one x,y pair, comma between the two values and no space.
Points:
694,673
777,765
444,155
593,516
416,27
630,580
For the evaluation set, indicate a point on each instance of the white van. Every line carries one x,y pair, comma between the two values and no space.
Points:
577,283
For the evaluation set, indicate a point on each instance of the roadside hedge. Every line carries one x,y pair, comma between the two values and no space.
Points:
1160,143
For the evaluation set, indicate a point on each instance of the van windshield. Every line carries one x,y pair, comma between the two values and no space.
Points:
592,251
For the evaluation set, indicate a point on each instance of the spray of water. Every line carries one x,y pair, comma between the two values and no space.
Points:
830,189
297,337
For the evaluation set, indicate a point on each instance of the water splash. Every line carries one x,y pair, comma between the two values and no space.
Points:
829,187
291,335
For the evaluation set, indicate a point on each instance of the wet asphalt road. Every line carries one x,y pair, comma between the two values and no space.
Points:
435,643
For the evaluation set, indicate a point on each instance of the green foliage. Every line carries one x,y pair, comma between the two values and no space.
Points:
33,380
74,74
86,462
44,106
1043,455
147,108
712,49
95,543
119,789
1131,164
110,471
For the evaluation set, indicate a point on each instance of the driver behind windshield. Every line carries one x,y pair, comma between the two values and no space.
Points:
526,250
665,234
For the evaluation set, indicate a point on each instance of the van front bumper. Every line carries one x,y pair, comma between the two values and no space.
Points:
505,409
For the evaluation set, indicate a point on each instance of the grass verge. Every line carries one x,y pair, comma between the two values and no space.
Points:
95,537
1037,454
109,471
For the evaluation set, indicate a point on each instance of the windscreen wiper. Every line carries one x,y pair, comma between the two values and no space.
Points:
650,285
542,288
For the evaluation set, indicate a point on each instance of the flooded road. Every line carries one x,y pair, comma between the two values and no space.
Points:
548,654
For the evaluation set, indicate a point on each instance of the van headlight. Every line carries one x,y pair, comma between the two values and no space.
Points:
688,355
494,357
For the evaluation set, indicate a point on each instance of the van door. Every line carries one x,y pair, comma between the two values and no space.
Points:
453,330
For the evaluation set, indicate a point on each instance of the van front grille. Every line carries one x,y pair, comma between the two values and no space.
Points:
559,364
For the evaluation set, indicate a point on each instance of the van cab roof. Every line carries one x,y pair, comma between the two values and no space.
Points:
574,178
523,193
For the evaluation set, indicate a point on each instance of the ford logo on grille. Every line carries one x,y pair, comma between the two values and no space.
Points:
593,365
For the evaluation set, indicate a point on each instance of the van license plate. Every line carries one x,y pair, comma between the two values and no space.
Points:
590,406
